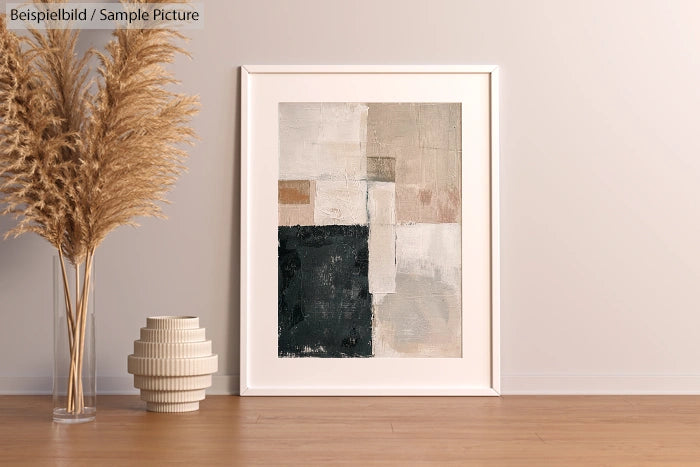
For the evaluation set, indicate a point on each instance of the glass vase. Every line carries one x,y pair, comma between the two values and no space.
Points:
74,389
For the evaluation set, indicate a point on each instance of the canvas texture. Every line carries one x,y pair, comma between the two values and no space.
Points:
369,236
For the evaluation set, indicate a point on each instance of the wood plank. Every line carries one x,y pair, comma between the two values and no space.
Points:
229,430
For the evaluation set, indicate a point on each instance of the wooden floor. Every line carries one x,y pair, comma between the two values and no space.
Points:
229,430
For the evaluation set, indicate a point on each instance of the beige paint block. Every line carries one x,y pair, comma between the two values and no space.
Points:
340,202
322,141
391,127
382,237
414,201
381,206
382,258
425,141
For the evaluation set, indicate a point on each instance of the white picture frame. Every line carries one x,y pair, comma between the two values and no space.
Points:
477,372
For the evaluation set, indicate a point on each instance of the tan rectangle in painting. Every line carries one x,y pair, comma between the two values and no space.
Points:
293,191
296,214
425,140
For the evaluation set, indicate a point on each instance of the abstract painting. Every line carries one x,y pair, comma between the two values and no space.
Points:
369,230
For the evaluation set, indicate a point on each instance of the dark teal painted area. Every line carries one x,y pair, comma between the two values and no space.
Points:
324,304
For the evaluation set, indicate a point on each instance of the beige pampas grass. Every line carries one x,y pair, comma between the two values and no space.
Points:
81,155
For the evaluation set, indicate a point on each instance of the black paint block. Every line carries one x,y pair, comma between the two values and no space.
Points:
324,305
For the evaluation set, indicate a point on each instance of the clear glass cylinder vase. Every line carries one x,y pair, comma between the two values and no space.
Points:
74,388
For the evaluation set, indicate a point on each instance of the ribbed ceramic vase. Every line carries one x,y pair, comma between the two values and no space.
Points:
172,363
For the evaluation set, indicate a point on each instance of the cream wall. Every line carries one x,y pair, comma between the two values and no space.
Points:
599,175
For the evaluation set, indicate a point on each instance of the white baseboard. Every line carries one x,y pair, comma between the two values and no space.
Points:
24,385
600,384
106,385
510,384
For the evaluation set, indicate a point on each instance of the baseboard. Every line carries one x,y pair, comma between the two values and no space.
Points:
600,384
510,384
106,385
24,385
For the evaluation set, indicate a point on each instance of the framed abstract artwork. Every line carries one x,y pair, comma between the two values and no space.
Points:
369,236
